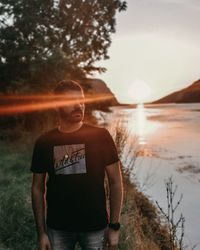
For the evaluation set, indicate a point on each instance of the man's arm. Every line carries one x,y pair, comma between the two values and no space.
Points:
39,206
116,197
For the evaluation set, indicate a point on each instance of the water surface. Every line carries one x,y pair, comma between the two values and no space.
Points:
168,137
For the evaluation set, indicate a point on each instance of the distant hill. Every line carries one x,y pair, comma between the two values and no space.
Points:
99,88
186,95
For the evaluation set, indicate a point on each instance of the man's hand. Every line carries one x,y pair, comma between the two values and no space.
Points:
112,239
44,242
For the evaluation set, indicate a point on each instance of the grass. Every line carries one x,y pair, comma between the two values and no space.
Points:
141,227
17,230
141,222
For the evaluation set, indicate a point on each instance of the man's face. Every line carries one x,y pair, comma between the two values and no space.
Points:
73,112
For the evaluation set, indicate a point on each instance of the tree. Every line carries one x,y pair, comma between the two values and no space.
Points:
45,41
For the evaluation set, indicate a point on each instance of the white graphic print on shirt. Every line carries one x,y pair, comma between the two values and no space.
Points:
69,159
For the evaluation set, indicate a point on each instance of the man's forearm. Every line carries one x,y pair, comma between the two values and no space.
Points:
116,198
38,205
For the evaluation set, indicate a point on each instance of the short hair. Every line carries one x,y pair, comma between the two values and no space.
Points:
67,85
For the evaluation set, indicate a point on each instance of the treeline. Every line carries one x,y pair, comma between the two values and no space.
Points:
43,42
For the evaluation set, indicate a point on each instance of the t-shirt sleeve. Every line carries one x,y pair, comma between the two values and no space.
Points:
110,154
39,158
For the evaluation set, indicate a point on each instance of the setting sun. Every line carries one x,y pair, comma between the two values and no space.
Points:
138,92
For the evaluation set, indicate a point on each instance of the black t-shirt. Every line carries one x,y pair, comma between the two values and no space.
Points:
75,163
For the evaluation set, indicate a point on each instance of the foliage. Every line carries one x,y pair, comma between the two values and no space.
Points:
45,41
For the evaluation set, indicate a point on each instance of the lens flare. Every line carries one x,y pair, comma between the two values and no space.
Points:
15,104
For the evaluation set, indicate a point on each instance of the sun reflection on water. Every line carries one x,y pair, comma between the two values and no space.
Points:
140,125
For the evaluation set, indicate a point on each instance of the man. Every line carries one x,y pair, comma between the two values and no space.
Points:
69,165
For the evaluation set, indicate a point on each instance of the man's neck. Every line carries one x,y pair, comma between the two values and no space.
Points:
69,127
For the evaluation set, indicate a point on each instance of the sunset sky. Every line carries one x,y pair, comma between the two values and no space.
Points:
155,50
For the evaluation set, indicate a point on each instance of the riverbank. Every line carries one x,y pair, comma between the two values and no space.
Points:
141,225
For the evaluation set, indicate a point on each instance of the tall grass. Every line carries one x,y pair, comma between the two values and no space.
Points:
141,227
17,230
17,226
141,223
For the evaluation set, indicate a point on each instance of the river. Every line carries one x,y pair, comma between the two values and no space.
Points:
168,139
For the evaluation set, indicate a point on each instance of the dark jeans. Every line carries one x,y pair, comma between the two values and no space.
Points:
63,240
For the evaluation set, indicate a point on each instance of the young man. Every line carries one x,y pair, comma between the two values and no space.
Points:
69,165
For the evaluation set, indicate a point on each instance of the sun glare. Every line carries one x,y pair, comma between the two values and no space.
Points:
139,91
